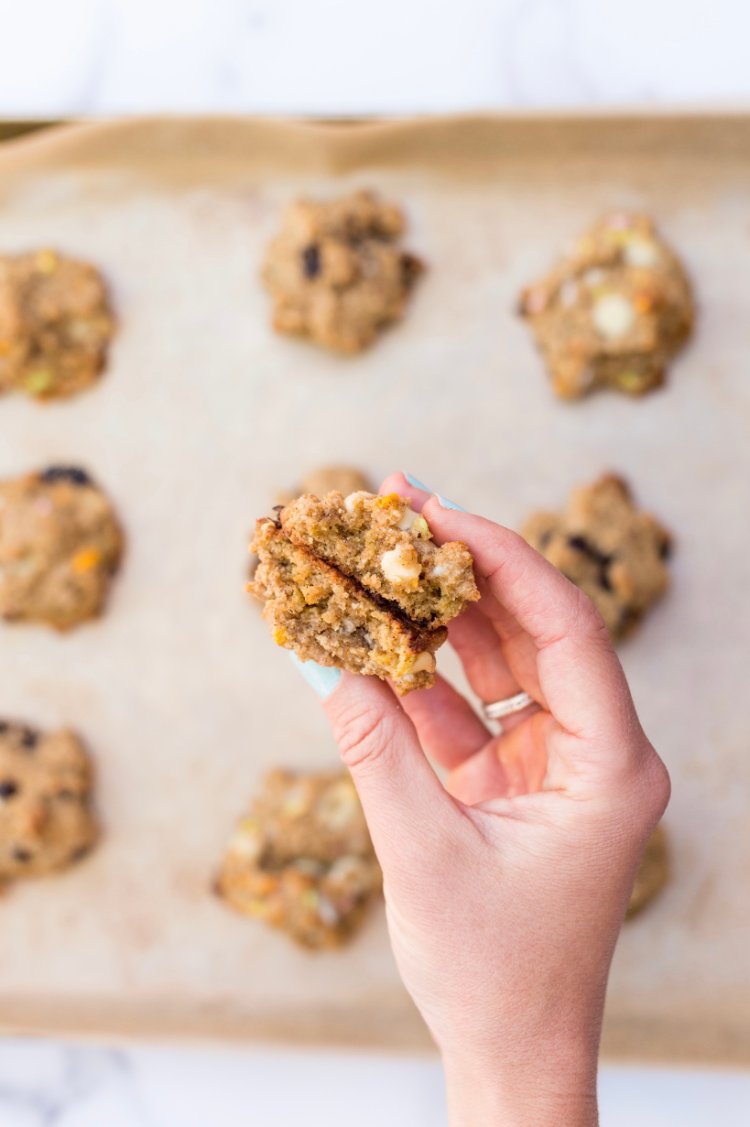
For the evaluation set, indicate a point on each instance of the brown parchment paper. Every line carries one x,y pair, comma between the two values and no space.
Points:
204,414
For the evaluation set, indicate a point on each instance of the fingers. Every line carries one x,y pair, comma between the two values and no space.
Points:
447,726
406,806
397,483
472,636
477,644
512,765
579,674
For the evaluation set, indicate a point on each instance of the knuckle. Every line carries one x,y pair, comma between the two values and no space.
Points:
363,735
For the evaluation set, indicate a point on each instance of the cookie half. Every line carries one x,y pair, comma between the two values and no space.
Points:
325,616
387,548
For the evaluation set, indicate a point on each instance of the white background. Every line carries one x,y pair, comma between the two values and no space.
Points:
62,57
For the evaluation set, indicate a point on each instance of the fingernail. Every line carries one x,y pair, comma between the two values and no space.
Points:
446,504
414,481
442,500
322,679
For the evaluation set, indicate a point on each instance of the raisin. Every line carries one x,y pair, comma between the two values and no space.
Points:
20,854
29,738
72,474
411,268
79,853
311,260
8,788
580,544
3,727
665,549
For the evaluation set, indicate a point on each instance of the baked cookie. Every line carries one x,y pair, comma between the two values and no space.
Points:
46,822
60,545
613,312
612,550
388,548
653,872
302,859
344,479
326,479
336,273
325,616
357,582
55,324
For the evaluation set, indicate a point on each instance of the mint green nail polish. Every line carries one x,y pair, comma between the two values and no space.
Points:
321,678
417,484
450,504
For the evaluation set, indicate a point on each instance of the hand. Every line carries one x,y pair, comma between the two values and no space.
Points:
507,883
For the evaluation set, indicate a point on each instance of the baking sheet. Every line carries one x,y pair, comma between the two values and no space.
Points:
204,414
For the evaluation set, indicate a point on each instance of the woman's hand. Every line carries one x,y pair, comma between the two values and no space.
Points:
506,885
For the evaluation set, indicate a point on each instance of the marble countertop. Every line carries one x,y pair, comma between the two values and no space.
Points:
346,57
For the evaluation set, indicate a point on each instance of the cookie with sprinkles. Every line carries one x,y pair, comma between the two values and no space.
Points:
613,312
60,545
301,859
56,323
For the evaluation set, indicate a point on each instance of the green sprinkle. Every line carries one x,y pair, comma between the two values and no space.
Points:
630,380
38,380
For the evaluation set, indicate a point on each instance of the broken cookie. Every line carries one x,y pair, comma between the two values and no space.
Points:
357,582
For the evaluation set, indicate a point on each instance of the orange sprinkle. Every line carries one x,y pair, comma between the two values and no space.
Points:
85,560
46,261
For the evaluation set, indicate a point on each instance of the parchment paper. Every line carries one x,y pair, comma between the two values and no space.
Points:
204,414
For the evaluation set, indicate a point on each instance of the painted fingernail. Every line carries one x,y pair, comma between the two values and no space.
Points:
417,484
321,678
446,504
442,500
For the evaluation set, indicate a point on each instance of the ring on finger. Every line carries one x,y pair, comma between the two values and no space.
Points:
508,706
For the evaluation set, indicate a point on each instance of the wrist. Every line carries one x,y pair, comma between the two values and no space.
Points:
553,1090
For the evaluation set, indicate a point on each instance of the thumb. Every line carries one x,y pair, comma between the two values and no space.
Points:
405,805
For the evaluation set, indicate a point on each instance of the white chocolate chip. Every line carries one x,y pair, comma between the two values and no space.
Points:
423,663
438,571
354,500
594,277
326,911
613,315
407,520
396,570
246,844
568,293
640,252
